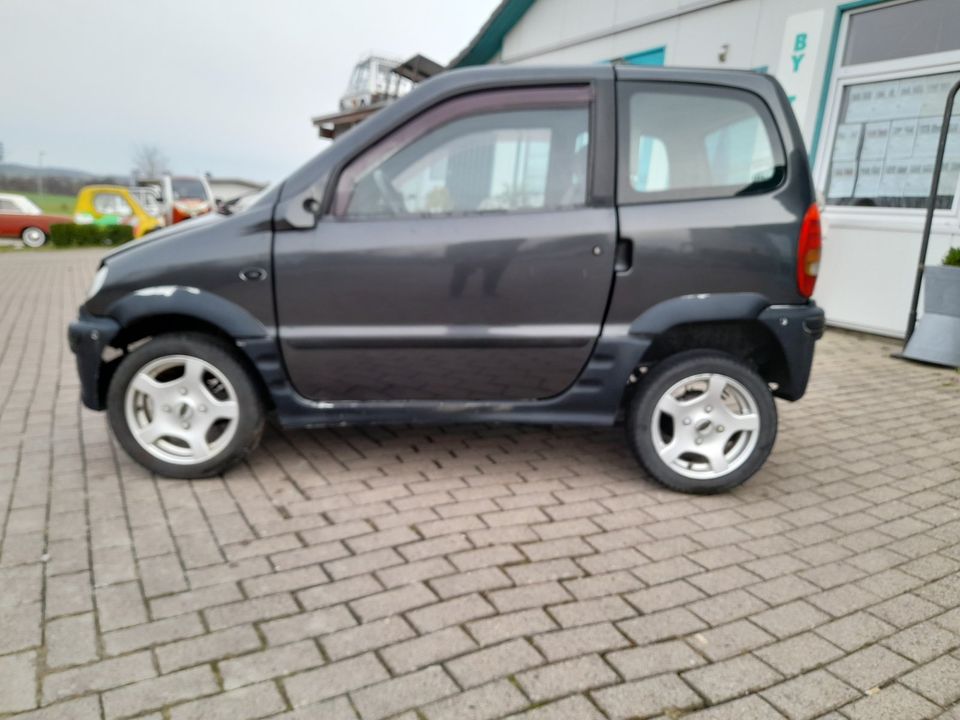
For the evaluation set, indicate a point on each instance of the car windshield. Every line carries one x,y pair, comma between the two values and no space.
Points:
188,189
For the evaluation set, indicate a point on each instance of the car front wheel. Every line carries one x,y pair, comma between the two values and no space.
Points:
702,422
184,406
33,237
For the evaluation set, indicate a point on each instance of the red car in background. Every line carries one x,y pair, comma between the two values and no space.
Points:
21,218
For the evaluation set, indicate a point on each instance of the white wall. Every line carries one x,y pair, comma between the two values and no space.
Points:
869,260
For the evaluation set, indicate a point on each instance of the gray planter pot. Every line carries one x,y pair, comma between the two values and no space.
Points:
937,337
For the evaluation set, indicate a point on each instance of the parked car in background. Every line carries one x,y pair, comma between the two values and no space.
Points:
21,218
181,197
580,245
118,205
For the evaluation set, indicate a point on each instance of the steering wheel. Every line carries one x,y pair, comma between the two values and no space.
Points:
391,197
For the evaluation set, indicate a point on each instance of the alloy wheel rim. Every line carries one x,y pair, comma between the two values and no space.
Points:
706,426
181,409
32,237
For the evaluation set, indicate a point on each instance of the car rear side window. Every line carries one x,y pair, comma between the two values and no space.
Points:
687,142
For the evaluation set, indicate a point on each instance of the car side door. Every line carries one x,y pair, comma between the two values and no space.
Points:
463,257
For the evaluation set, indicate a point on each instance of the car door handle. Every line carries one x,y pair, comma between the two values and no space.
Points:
253,274
623,257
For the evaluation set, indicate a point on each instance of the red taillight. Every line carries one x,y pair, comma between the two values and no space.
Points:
808,251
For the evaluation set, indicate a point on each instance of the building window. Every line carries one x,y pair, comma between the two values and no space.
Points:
885,144
914,28
897,65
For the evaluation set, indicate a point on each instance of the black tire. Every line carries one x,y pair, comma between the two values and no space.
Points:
665,375
250,420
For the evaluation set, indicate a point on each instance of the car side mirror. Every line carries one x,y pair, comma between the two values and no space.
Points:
302,210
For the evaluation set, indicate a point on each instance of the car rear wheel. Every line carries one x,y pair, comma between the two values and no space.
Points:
33,237
183,406
702,422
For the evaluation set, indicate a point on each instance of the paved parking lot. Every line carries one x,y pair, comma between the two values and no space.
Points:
475,572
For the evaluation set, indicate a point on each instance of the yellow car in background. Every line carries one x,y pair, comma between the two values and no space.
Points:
118,205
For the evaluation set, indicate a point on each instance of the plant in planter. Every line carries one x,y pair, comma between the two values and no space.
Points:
937,337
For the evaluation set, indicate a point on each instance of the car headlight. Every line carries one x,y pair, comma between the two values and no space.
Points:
98,280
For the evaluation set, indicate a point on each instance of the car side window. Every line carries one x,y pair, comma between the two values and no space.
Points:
111,204
686,141
7,206
510,161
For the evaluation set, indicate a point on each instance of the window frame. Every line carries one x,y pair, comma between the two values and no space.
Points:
843,76
561,96
627,195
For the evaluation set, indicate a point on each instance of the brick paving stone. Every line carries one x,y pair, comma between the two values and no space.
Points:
120,606
486,702
18,682
391,602
894,702
922,643
270,663
369,636
644,698
790,619
580,641
571,708
68,594
71,640
870,667
213,646
245,611
98,676
662,625
799,654
494,662
938,681
728,679
403,693
591,611
670,656
314,623
191,600
810,695
729,640
334,679
427,650
510,625
155,692
247,703
20,627
565,677
85,708
855,631
450,612
149,634
749,708
339,591
664,596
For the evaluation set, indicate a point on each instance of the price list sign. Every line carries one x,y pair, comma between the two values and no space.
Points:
885,145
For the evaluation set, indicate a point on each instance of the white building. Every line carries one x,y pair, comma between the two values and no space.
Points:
868,81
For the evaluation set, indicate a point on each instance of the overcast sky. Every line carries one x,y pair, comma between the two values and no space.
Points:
225,86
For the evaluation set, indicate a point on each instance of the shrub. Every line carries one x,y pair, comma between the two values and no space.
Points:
66,235
952,258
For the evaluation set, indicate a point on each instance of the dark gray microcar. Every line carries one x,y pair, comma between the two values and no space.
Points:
580,245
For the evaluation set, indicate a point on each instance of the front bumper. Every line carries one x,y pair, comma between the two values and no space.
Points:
797,328
89,336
